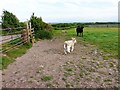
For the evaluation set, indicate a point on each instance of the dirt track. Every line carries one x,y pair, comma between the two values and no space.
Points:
84,67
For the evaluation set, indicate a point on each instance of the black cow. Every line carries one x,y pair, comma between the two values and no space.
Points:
79,30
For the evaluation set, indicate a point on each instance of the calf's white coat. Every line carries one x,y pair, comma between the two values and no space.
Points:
69,45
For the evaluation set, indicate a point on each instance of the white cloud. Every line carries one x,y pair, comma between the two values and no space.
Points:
63,10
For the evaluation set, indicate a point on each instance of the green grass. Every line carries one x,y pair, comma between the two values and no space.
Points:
106,39
11,55
46,78
68,69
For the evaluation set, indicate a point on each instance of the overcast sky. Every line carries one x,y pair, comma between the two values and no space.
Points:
63,10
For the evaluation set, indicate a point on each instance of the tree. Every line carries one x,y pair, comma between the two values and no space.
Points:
41,29
9,20
38,24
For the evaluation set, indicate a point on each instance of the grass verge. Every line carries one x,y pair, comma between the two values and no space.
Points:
11,55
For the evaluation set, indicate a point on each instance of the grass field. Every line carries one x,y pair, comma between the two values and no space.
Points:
106,39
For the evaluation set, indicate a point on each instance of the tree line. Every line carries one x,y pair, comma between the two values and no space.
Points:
62,26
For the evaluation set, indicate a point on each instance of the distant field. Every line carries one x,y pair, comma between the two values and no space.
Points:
106,39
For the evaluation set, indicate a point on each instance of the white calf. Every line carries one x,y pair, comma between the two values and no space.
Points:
69,45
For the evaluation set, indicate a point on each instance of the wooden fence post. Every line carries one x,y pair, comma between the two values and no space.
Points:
24,35
27,31
31,34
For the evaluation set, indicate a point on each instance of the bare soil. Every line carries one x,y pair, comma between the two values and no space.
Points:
46,66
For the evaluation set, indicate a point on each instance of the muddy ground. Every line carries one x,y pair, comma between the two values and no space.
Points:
46,66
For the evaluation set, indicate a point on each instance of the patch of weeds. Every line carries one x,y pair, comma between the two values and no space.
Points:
107,80
66,74
100,66
81,74
68,69
111,64
64,79
78,79
70,62
6,61
68,85
98,79
38,71
116,87
67,63
83,57
106,57
101,63
92,69
80,66
46,78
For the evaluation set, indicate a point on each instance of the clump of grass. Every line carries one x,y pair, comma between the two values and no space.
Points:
67,85
5,61
46,78
68,69
106,57
107,80
81,74
66,74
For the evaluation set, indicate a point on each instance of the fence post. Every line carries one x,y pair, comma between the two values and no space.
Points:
27,31
31,34
24,35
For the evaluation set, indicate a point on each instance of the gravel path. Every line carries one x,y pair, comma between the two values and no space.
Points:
45,65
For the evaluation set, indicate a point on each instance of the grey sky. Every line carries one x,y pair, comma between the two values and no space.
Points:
63,10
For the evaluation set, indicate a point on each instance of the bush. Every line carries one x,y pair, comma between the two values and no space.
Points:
43,34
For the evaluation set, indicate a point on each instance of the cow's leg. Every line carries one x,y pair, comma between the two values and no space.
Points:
68,49
72,48
65,50
77,33
80,34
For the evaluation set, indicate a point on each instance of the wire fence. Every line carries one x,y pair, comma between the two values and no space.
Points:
14,37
